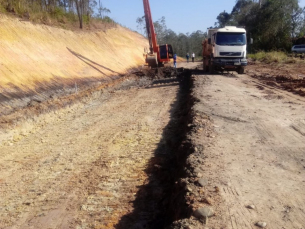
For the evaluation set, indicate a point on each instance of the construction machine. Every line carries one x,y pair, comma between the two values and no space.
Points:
225,49
158,55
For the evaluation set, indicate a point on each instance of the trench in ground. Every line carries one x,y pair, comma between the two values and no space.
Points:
161,201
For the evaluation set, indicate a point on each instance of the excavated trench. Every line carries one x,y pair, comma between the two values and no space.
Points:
161,200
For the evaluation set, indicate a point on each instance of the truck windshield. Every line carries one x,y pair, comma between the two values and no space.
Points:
233,39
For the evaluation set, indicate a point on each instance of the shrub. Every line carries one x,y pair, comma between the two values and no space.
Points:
108,20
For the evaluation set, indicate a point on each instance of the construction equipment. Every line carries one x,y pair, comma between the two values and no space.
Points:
158,54
225,49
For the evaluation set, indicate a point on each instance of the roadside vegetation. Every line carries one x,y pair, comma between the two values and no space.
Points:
182,43
273,24
276,57
269,57
63,13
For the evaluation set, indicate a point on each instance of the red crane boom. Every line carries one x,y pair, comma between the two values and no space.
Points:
159,54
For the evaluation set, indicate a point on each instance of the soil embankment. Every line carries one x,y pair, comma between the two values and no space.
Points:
37,60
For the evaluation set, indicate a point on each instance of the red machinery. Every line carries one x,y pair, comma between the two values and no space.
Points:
159,54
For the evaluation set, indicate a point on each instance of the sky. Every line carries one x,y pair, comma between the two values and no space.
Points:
185,16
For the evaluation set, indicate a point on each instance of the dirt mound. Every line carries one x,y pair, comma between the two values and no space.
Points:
159,73
288,83
290,77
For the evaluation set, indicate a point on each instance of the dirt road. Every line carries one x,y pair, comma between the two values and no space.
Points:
82,166
253,152
119,160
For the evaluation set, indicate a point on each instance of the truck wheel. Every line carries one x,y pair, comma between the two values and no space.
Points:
241,70
160,64
205,65
211,68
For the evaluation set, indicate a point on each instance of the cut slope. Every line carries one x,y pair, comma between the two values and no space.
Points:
38,56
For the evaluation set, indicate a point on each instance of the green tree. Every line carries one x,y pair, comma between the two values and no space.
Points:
181,43
72,9
160,29
141,25
195,41
272,23
103,11
223,19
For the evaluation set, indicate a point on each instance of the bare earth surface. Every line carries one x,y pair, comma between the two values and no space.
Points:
81,167
257,156
104,163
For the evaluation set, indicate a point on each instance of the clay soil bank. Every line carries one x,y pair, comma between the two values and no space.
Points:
39,61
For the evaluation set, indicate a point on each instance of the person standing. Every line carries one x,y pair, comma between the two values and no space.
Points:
193,57
187,57
175,60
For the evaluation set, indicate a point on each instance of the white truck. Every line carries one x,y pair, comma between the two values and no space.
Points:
225,49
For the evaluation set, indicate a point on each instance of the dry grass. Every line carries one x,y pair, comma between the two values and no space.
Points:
269,57
276,57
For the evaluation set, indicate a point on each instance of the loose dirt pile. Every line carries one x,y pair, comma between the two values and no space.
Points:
290,77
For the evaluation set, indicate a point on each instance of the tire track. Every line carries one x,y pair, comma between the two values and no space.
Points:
262,157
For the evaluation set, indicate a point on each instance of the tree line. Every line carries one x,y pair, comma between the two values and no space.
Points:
181,43
273,24
62,10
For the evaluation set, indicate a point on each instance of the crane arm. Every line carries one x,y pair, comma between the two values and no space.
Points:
152,37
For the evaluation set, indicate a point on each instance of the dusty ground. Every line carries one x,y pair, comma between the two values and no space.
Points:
95,164
148,151
290,77
249,140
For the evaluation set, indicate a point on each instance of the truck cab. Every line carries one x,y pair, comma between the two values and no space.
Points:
226,49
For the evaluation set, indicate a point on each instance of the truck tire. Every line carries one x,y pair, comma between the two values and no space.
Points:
211,67
241,70
160,64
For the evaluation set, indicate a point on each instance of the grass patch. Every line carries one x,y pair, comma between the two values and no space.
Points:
269,57
2,9
290,61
